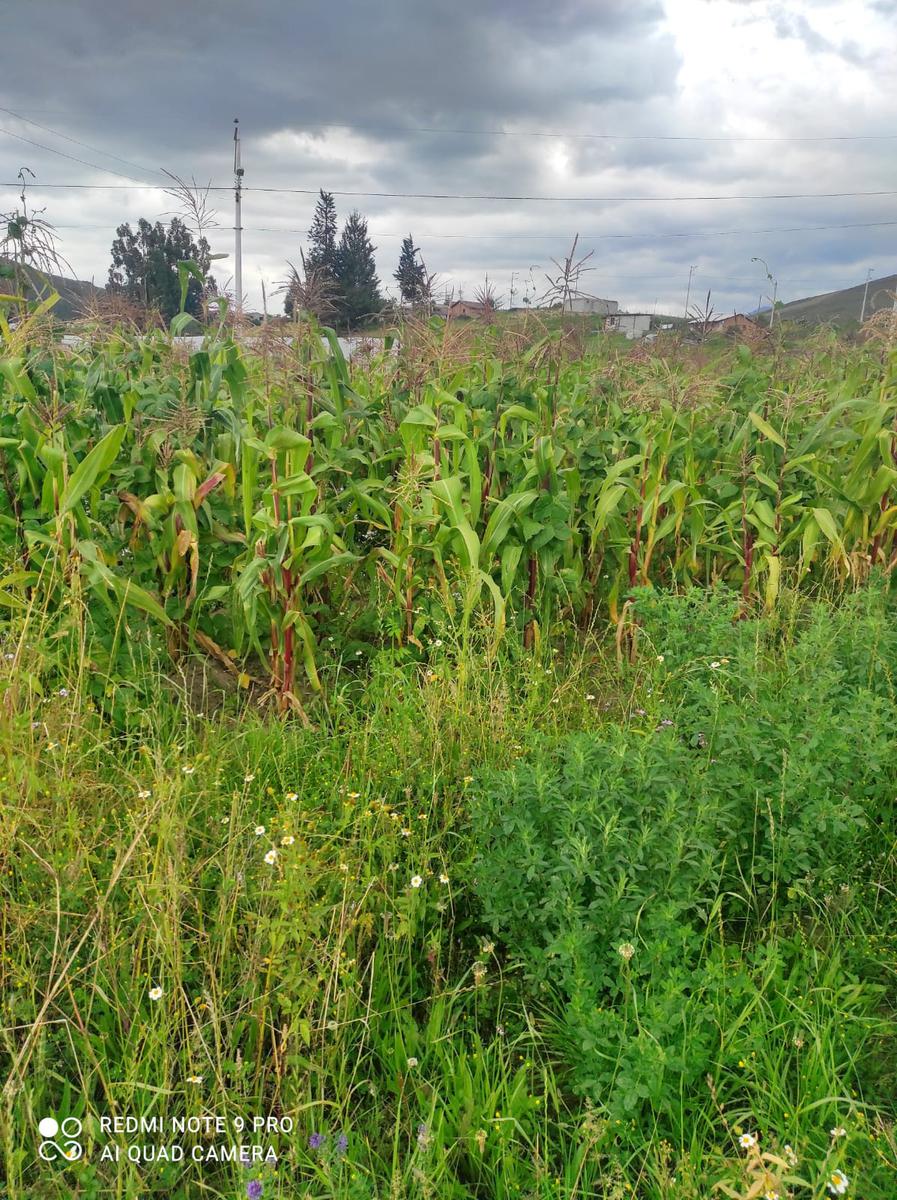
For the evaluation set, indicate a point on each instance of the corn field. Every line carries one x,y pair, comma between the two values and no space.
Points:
261,505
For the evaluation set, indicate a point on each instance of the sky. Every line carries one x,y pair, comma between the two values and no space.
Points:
614,114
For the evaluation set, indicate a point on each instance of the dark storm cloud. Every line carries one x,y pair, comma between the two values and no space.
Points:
174,70
344,95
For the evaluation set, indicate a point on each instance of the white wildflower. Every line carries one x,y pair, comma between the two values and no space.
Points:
838,1183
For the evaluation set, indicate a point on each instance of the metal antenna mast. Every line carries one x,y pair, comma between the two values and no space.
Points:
238,224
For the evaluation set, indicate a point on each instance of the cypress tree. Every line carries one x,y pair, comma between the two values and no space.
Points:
356,273
410,274
322,237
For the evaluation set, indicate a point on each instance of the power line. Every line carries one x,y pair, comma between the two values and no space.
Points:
469,195
698,233
72,158
594,237
566,134
573,199
86,145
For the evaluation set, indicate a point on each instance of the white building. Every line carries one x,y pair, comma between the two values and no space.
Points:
634,325
593,305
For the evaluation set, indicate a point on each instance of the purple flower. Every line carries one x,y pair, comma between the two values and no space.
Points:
254,1189
316,1141
342,1144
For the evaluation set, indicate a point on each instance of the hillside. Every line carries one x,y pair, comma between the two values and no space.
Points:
842,307
75,295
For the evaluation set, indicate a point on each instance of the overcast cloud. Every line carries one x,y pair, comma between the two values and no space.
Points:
344,95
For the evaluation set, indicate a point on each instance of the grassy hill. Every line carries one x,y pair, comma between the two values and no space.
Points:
75,295
842,308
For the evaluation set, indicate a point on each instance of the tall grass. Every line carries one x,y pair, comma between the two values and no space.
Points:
267,830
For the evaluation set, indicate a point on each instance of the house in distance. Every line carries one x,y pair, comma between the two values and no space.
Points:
633,325
736,323
592,306
465,308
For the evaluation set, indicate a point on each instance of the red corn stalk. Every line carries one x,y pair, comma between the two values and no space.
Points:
529,631
636,541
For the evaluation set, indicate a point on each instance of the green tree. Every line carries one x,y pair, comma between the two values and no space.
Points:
410,274
321,254
319,262
356,273
145,265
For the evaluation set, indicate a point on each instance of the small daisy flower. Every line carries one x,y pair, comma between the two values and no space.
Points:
468,779
271,858
416,881
292,797
194,1078
259,830
838,1132
144,794
589,696
354,795
660,658
770,1194
412,1062
838,1183
790,1156
249,778
63,692
188,770
443,878
287,840
156,993
747,1141
406,833
715,666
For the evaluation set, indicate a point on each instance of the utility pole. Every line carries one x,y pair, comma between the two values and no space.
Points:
865,294
691,271
238,222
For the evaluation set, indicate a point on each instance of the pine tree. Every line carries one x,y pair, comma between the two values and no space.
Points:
356,273
321,254
410,274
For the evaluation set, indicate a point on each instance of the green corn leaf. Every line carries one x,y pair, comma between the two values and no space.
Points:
91,468
766,429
